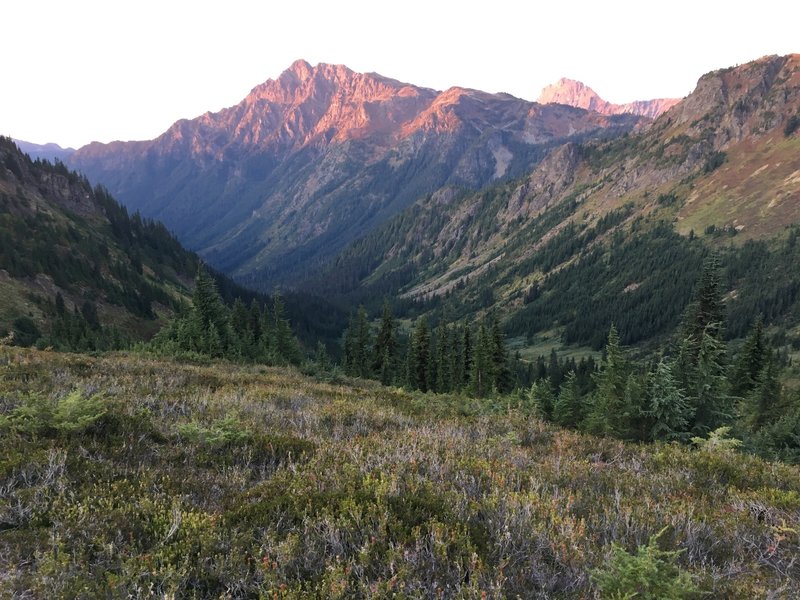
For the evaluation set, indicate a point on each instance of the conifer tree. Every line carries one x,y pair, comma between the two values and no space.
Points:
321,356
750,362
711,403
763,404
540,399
502,378
567,408
254,322
465,358
240,326
607,416
706,315
667,408
419,356
357,346
444,376
208,310
385,348
481,379
285,347
632,423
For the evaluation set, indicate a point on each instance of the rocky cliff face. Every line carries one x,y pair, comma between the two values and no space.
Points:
313,159
574,93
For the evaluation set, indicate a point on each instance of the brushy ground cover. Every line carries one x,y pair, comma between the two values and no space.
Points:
125,476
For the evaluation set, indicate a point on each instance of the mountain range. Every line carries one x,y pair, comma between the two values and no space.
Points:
613,231
320,156
356,186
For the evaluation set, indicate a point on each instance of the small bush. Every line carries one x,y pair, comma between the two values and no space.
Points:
650,574
791,125
71,415
717,442
715,161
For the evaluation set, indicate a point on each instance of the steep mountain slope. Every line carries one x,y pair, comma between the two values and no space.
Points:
575,93
68,249
310,161
592,235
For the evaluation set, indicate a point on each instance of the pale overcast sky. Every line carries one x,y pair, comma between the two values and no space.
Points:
77,71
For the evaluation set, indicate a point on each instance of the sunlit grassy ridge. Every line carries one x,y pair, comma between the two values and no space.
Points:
126,476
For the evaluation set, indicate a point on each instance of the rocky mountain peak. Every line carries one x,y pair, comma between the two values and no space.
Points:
301,68
572,93
576,93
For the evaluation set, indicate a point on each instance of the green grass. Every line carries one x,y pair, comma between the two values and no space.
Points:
544,343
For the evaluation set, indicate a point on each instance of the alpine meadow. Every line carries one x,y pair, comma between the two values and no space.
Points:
357,338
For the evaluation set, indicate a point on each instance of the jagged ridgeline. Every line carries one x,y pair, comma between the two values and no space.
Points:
78,272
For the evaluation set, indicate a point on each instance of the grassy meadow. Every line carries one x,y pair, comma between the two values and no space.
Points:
126,476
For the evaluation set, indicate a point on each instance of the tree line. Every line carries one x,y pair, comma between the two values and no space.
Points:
254,333
452,357
689,391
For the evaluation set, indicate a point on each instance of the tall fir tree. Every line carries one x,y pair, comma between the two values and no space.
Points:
710,400
358,345
208,311
285,347
607,416
567,407
667,409
707,313
465,358
419,357
750,362
764,403
502,376
481,381
385,348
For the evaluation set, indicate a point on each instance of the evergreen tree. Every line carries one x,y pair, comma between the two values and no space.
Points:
285,347
502,378
567,408
750,362
707,313
633,424
444,346
465,359
240,325
763,404
321,356
419,356
385,349
607,416
254,322
667,408
481,379
208,310
540,399
554,371
710,400
357,346
60,307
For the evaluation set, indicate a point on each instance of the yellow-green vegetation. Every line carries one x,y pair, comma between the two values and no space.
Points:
127,476
542,344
